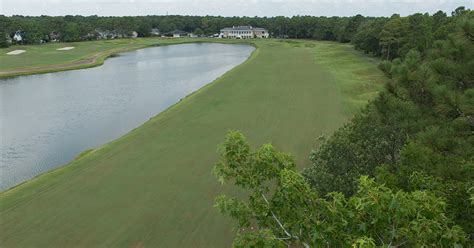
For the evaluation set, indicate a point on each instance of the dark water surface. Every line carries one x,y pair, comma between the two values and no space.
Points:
47,119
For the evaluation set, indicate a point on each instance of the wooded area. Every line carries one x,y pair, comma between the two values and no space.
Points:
387,37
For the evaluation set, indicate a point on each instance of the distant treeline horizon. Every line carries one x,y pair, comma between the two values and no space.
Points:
380,36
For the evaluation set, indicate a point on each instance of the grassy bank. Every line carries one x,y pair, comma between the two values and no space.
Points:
154,187
45,58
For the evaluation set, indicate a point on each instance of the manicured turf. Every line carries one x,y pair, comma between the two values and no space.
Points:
154,186
46,58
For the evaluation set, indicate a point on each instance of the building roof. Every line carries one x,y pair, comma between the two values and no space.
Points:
242,28
180,32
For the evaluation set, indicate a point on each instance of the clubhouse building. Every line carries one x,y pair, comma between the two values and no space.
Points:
243,32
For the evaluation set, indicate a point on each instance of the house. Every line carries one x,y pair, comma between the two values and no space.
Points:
18,36
177,34
106,34
155,32
192,35
134,34
54,36
243,32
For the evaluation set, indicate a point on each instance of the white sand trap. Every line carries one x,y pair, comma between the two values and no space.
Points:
65,48
16,52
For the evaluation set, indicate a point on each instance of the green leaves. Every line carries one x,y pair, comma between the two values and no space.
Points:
418,134
249,170
281,209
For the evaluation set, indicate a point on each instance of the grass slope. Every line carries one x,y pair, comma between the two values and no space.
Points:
154,186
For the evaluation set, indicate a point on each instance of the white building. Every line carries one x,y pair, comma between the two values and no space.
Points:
243,32
155,32
177,34
18,36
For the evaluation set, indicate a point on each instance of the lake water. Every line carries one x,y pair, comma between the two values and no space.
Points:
47,119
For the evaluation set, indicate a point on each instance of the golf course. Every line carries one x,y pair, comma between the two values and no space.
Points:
154,186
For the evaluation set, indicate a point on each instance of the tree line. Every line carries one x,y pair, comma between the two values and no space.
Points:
381,36
399,174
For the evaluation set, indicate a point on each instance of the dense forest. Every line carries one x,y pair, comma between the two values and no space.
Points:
399,174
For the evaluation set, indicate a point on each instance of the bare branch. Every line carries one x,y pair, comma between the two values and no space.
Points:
276,219
281,225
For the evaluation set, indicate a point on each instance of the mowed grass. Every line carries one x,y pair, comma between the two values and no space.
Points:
358,81
154,186
45,58
40,55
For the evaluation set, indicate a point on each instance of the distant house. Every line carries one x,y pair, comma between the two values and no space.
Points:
192,35
134,34
155,32
54,36
177,34
106,34
18,36
243,32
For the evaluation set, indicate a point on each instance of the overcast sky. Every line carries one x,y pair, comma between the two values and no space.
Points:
228,7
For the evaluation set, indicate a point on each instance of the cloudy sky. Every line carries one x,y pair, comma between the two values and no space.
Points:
228,7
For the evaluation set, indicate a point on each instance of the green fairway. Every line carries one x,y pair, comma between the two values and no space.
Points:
45,58
154,186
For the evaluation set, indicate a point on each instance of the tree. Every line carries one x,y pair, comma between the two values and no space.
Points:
367,37
198,31
167,25
419,33
281,209
144,29
352,26
459,11
3,40
417,134
392,36
71,32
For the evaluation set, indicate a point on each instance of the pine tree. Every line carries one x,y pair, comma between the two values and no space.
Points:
3,40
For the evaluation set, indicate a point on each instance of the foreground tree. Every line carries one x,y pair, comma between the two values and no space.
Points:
281,209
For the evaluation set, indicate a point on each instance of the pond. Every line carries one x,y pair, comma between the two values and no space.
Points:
48,119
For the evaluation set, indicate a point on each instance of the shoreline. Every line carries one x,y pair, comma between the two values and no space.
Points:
82,154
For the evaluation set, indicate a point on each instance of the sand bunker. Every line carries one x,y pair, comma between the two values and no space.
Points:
65,48
16,52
